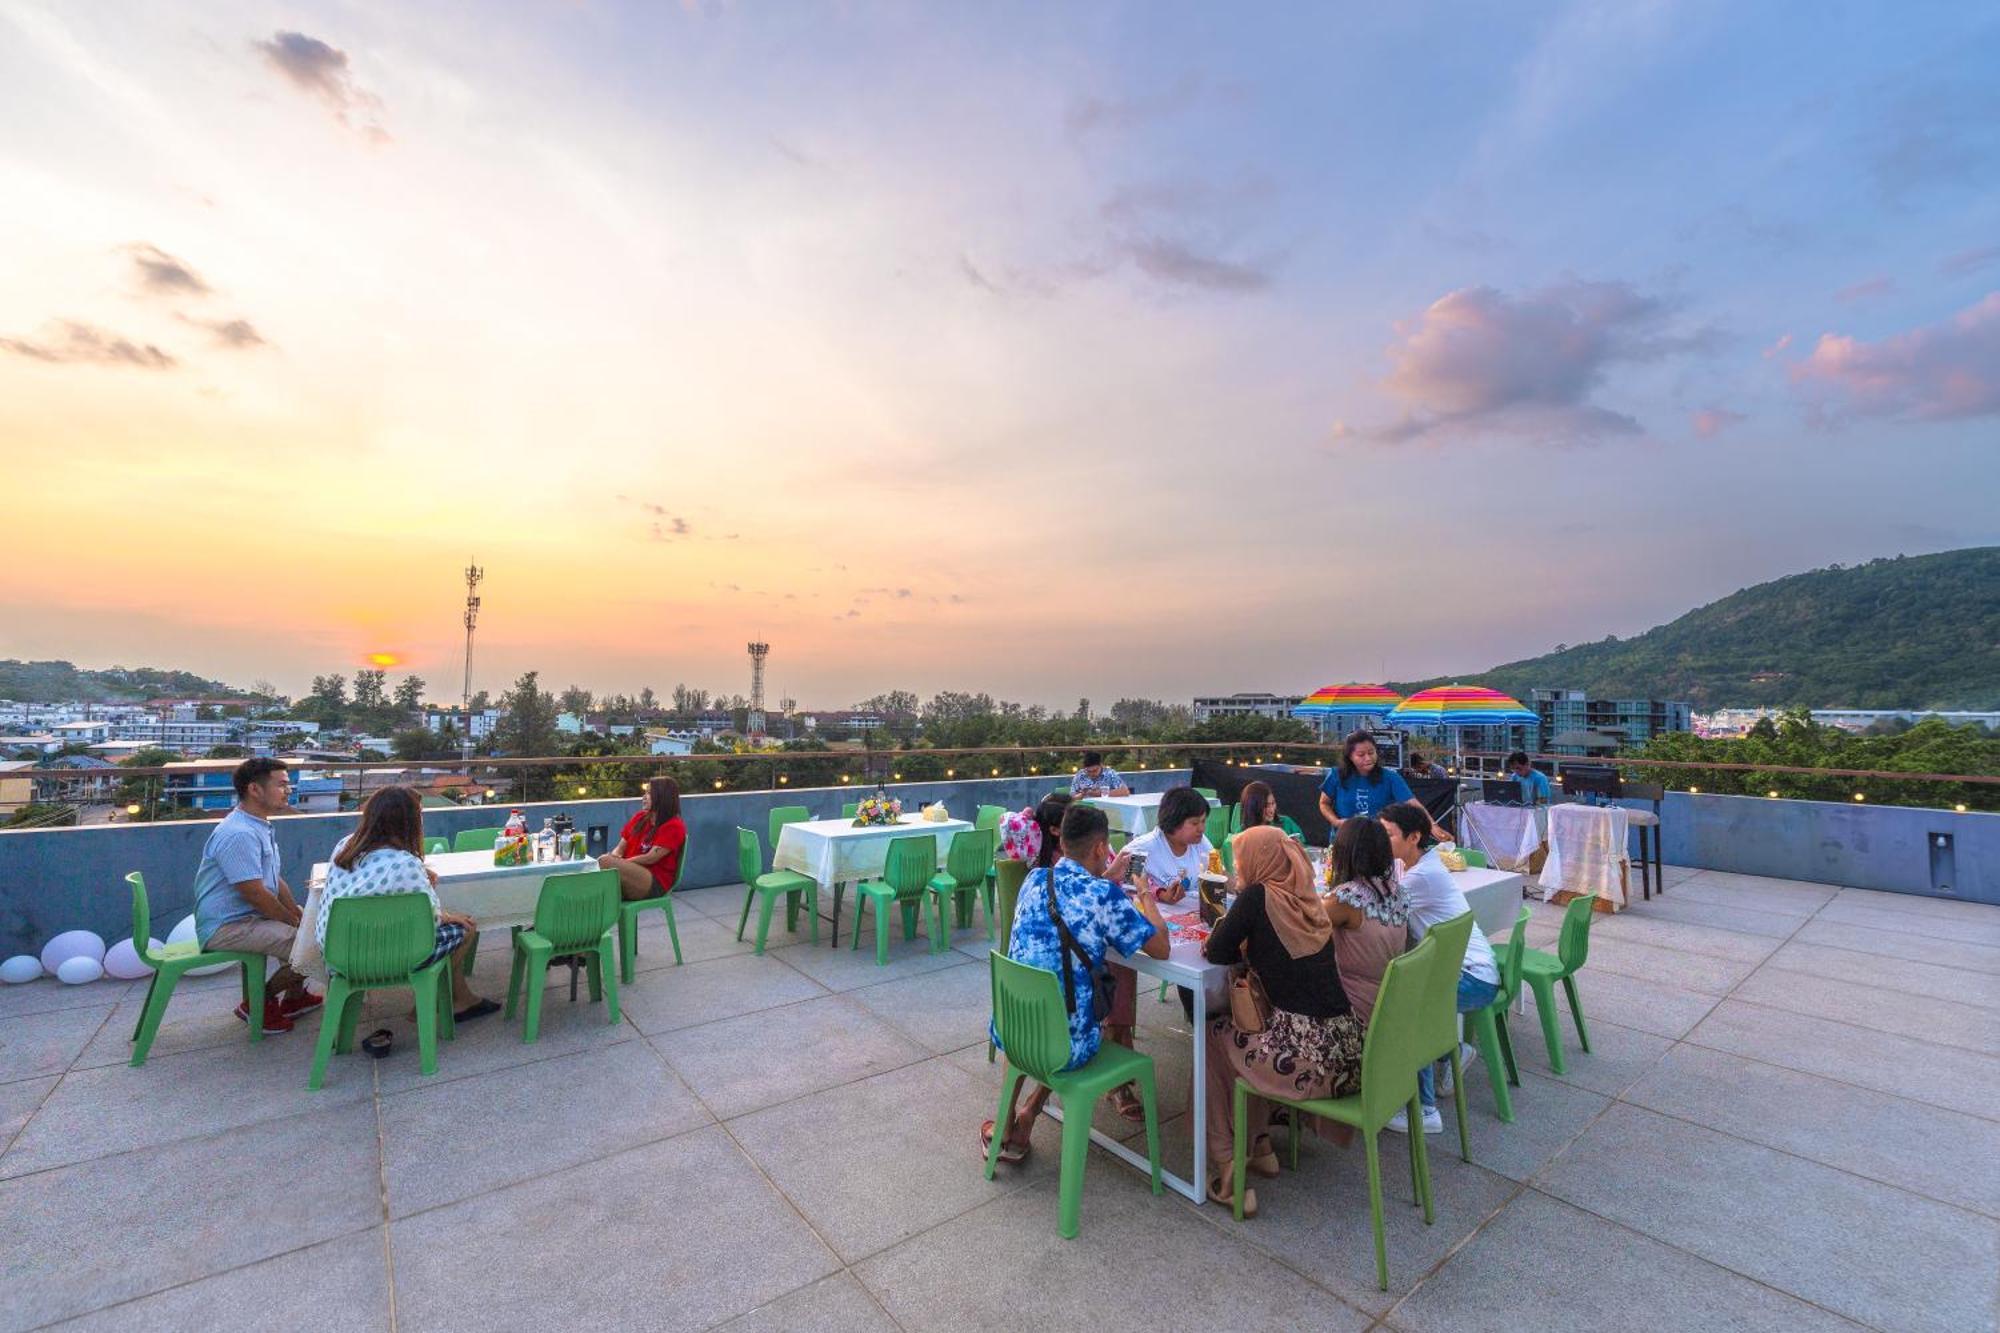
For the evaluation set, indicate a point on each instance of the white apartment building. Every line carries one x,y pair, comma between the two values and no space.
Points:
190,736
482,723
1245,705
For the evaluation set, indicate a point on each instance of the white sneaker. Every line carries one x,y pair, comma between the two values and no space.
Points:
1399,1123
1467,1053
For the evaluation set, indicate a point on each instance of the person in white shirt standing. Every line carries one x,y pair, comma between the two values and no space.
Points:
1433,896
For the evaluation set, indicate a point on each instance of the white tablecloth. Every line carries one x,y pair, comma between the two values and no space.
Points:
833,851
1587,851
1135,814
1508,834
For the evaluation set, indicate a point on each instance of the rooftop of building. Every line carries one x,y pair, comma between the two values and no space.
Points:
1787,1121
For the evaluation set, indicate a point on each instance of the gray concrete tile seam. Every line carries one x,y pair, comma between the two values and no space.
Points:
1864,1027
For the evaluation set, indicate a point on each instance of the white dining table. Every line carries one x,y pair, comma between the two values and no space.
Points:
1134,814
834,852
494,896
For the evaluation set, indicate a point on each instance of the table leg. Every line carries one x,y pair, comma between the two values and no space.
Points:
1645,868
1659,857
1198,1103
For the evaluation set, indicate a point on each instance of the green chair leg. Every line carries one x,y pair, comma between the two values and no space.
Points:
253,996
1075,1154
1149,1100
881,936
514,978
763,921
1374,1202
1458,1097
1576,1012
673,931
1545,1009
332,1017
909,921
1010,1077
610,979
1240,1149
150,1015
1485,1035
350,1018
744,919
427,1020
628,946
1423,1161
537,983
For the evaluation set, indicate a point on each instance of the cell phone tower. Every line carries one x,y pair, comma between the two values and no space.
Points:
473,574
755,722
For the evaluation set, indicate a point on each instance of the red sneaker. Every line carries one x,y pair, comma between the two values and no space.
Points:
274,1018
305,1004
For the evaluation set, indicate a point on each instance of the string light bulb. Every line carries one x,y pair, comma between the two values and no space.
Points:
1694,791
1773,793
1960,807
782,779
718,784
1860,796
581,790
133,809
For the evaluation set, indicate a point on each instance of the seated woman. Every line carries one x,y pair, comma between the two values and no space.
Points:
1022,832
1371,918
1432,895
1259,804
385,854
1311,1044
1360,788
650,846
1176,852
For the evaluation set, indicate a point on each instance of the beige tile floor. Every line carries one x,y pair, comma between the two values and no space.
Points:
1791,1119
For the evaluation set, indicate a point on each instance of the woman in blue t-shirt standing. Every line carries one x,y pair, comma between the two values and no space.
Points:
1360,788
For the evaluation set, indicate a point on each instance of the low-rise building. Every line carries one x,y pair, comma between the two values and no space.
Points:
1251,704
1572,722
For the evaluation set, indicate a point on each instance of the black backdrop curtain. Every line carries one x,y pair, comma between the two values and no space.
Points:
1298,793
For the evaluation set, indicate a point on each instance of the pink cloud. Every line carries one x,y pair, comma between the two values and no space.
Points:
1784,341
1479,358
1939,372
1710,422
1880,285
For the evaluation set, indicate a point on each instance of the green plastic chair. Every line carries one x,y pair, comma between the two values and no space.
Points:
966,863
1540,971
577,913
1440,1018
434,846
171,961
1391,1055
1008,876
849,809
1028,1014
1218,829
379,942
1118,840
1474,858
989,816
475,839
762,887
1489,1025
906,874
1057,791
1209,792
628,921
1291,828
781,816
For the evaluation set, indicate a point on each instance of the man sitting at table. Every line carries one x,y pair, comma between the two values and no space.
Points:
1088,894
1534,782
1097,778
241,901
1421,767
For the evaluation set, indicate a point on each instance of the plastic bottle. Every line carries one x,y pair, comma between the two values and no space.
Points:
545,842
517,825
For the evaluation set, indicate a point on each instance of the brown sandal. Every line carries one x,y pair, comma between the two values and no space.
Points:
1126,1103
1012,1153
1264,1163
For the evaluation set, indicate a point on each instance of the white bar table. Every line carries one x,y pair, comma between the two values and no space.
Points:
834,853
494,896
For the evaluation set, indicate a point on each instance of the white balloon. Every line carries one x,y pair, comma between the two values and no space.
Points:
72,944
80,969
21,967
122,960
183,933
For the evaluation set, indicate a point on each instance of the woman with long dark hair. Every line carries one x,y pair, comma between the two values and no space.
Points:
1259,804
385,854
1371,918
1359,787
651,844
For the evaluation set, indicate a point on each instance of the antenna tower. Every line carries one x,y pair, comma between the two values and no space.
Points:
758,652
473,574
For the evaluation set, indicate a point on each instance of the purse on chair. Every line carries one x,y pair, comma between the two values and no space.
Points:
1249,1006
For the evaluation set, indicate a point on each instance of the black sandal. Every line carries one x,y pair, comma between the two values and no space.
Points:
479,1010
378,1042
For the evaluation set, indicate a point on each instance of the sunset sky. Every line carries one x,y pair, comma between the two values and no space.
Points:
1061,350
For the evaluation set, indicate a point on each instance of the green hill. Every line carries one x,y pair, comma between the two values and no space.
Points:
60,682
1907,632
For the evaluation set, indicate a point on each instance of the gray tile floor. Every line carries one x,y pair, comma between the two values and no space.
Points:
1791,1119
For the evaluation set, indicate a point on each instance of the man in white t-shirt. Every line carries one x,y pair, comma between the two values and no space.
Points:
1433,897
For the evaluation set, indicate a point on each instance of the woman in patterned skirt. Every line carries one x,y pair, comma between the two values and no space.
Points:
384,854
1311,1045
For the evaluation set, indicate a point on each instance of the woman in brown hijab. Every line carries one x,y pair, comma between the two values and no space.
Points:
1311,1043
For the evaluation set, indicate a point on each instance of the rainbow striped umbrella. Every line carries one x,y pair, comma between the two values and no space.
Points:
1348,701
1460,706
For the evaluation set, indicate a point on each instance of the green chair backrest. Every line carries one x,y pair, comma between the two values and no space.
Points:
433,846
1394,1048
380,937
1118,841
910,864
1236,818
989,816
970,856
1209,792
475,839
1007,878
1059,791
1510,959
848,809
1474,858
749,856
1291,827
1440,1022
781,816
1573,945
574,910
1218,824
1029,1016
142,920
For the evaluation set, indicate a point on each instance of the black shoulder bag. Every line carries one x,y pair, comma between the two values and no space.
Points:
1101,983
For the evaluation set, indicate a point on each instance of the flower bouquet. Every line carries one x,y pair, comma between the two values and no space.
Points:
875,810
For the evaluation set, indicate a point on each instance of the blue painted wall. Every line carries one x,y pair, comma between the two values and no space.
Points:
52,880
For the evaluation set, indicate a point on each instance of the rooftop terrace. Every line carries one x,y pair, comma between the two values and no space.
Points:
1789,1122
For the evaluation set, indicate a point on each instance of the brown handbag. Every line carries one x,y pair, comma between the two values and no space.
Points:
1249,1006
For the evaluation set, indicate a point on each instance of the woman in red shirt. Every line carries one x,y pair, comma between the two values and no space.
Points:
650,846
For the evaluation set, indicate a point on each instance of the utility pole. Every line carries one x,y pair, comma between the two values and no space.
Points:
473,574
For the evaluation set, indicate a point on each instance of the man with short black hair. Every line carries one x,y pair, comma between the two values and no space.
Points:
1534,783
1097,778
241,901
1099,915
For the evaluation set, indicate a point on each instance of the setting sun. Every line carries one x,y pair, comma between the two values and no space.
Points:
383,660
